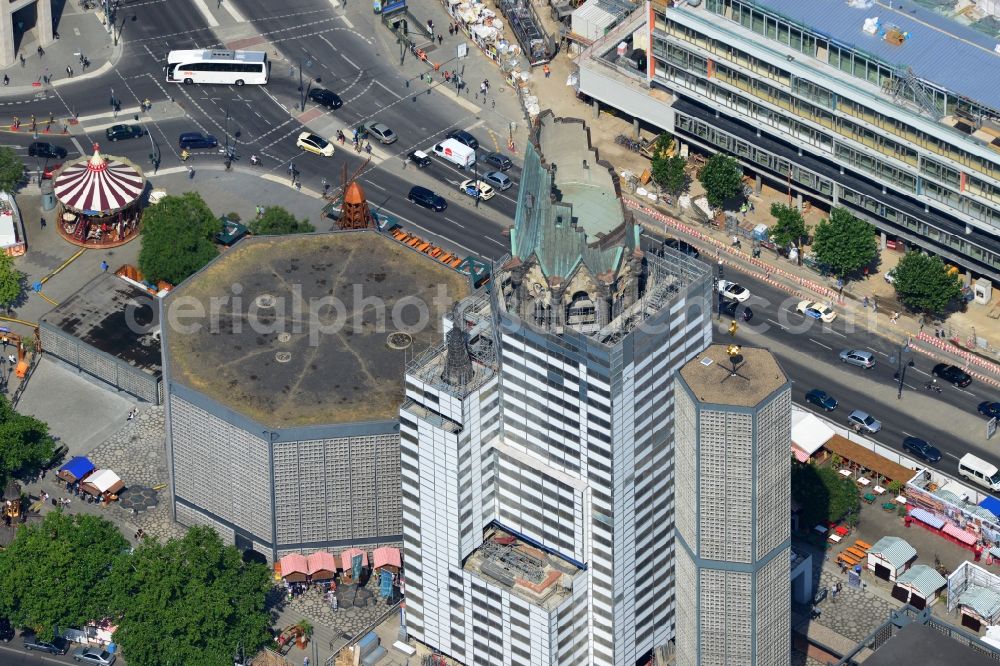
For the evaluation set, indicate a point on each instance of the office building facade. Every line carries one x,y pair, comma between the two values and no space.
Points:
732,492
537,507
900,127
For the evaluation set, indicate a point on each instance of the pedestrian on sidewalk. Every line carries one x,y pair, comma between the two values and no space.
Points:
6,80
41,51
874,304
43,222
545,68
864,303
104,266
440,39
69,71
22,60
190,172
298,185
894,318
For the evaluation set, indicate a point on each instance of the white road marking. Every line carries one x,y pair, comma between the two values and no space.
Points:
77,144
335,3
835,332
388,89
966,392
454,222
776,324
951,455
820,344
878,352
926,374
375,185
907,433
109,114
203,8
228,6
347,22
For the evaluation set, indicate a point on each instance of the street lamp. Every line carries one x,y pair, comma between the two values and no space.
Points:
901,368
475,174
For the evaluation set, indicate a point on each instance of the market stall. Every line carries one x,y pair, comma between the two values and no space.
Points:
386,558
76,469
99,200
294,568
102,483
321,566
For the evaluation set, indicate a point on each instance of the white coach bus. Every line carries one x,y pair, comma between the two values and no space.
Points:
221,67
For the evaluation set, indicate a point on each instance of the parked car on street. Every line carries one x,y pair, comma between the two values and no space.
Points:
737,310
464,137
471,186
498,180
94,655
858,357
815,310
57,645
950,373
864,422
326,98
498,161
43,149
822,399
922,449
116,132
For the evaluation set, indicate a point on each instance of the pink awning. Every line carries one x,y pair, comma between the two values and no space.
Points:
321,561
293,564
959,533
386,556
347,555
800,455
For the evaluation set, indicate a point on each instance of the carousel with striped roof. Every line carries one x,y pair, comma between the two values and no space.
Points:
100,200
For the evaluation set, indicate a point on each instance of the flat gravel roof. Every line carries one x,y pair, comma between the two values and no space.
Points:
708,376
290,334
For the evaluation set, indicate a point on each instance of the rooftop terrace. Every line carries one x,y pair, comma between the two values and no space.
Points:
281,354
532,574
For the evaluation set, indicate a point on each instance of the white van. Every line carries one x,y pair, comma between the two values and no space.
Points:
457,153
978,470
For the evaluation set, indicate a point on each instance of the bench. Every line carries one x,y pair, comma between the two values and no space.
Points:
862,545
855,552
847,559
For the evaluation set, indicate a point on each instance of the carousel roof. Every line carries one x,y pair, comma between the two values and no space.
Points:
99,184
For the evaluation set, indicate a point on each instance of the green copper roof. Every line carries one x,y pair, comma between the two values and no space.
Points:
567,232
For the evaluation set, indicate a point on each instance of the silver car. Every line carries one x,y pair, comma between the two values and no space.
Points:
94,655
858,357
863,422
498,180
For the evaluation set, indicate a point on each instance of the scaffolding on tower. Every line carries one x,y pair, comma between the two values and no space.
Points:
355,213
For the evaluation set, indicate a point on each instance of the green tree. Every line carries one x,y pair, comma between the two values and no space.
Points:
845,243
56,573
277,221
722,178
177,235
11,281
11,170
25,443
189,601
664,142
823,495
668,173
923,283
789,227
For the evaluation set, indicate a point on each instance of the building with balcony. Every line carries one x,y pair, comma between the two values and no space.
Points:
536,442
897,120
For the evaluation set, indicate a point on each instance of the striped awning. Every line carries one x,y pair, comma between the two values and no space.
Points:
99,185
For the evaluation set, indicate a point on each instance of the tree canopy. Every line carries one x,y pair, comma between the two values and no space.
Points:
789,227
668,172
177,238
25,443
823,495
11,170
55,573
277,221
11,281
923,283
844,242
189,601
722,178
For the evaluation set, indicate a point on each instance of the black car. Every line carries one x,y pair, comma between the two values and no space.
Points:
464,137
42,149
735,309
57,645
952,374
426,198
197,140
419,157
498,160
822,399
326,98
116,132
989,409
922,449
682,247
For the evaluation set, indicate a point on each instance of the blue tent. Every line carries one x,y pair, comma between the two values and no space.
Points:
77,468
992,505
